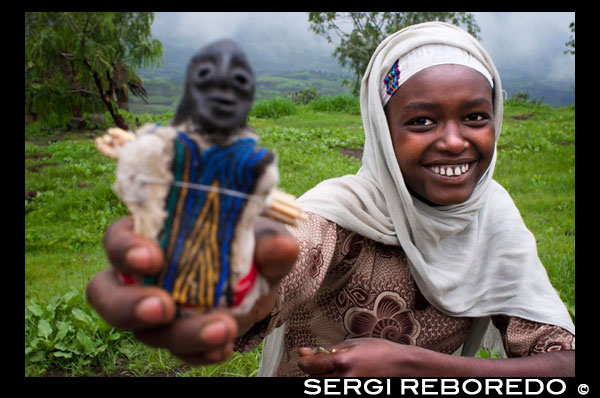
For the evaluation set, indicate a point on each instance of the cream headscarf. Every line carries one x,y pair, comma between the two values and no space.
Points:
474,259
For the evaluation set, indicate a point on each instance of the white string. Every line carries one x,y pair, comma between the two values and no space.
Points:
202,187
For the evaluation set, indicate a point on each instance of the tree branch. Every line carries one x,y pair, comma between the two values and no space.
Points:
83,91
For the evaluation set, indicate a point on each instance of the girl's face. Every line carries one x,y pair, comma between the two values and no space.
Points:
442,128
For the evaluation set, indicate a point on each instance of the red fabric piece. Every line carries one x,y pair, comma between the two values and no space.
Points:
127,279
245,285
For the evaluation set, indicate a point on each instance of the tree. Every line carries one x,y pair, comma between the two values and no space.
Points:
571,43
76,61
368,29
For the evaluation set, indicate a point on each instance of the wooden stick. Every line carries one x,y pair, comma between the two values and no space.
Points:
286,208
269,212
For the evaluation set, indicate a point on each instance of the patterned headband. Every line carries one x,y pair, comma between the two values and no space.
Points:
423,57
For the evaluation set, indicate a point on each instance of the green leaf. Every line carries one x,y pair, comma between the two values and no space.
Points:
61,346
63,329
69,297
79,314
62,354
39,356
44,328
71,347
52,305
34,308
483,353
34,342
86,342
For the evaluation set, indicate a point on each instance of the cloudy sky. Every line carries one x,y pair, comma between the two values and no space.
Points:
526,39
517,38
530,43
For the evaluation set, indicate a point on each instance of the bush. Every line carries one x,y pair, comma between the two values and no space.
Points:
523,97
65,333
273,108
337,103
305,96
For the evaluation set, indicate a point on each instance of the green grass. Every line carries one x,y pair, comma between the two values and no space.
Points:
69,203
536,164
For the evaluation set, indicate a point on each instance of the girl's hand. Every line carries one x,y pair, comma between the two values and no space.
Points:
149,311
369,357
365,357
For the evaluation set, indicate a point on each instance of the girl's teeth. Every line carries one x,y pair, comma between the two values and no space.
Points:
450,170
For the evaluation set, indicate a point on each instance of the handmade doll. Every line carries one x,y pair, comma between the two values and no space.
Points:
198,185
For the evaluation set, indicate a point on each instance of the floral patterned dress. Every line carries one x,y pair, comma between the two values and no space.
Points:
346,286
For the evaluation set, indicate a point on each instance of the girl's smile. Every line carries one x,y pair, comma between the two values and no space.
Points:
442,129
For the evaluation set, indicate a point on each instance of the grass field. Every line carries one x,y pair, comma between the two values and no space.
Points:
69,203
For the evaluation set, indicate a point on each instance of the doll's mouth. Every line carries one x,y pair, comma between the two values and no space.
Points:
222,104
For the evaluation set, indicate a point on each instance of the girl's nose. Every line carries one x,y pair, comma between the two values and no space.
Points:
451,139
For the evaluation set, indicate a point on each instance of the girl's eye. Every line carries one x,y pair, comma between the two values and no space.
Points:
421,121
475,117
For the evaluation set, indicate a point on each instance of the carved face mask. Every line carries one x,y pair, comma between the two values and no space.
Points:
219,89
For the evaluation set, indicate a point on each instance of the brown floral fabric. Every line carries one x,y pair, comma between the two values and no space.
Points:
522,337
345,286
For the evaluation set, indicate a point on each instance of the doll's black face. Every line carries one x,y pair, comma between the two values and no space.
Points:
220,88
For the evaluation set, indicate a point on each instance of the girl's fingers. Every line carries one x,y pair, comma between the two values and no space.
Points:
129,307
131,253
276,250
201,335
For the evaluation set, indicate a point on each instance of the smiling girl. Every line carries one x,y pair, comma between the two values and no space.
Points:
408,260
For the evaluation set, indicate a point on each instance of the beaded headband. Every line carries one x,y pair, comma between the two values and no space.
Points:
423,57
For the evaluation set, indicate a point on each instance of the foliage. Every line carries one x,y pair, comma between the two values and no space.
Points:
80,61
305,96
336,103
370,28
571,43
65,333
483,353
272,108
524,96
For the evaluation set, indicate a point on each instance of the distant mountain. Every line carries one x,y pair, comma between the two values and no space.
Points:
286,46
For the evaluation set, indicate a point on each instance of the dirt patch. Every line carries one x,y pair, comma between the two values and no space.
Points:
524,116
29,195
37,167
63,135
41,156
355,153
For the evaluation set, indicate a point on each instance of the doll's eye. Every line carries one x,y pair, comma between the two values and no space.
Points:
204,72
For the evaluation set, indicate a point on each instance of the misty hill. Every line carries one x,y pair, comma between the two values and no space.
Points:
287,57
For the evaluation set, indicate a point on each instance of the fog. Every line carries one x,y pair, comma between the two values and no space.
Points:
529,41
525,46
203,27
